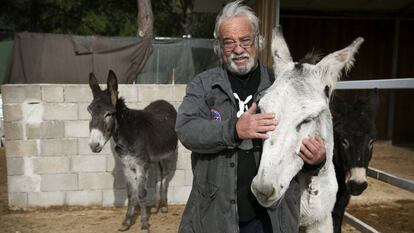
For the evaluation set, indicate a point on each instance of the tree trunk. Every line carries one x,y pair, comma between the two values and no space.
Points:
188,6
145,19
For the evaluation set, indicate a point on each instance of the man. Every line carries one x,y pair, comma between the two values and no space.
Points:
219,123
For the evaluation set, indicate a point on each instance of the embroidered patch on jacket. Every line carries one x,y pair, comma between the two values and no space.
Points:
215,115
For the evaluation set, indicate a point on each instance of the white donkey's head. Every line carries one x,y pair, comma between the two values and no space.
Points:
300,99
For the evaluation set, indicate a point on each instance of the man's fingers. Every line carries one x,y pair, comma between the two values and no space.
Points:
266,128
252,109
304,158
265,122
305,152
319,140
311,145
261,135
262,116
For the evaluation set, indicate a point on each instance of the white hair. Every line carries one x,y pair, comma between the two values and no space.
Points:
232,10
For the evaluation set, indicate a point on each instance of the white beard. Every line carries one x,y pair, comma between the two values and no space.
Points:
233,68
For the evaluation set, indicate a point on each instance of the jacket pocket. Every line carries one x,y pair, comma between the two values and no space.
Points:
205,209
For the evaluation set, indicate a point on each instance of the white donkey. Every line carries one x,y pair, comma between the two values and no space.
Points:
300,98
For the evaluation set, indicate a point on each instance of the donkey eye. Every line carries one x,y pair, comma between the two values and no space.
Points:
345,143
108,114
307,120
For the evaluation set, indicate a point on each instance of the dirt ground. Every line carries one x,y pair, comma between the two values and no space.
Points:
384,207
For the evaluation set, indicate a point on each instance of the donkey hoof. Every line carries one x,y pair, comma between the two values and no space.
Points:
126,224
164,209
124,228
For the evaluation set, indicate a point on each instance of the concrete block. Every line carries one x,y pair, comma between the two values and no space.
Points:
119,179
32,112
19,93
58,147
77,93
142,105
133,105
45,130
60,111
149,93
84,148
51,165
95,163
176,104
52,129
15,166
18,148
18,184
188,177
83,113
46,199
93,181
178,194
179,92
182,149
184,161
178,179
52,93
84,198
13,130
113,163
59,182
12,112
115,198
129,92
76,129
17,200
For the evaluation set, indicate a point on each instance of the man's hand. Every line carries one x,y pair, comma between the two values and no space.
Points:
312,150
251,125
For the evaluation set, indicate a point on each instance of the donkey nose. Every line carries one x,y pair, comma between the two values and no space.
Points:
356,188
263,191
94,147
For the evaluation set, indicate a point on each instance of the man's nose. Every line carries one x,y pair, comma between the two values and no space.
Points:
238,49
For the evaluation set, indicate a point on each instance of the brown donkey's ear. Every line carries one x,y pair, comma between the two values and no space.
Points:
112,85
93,84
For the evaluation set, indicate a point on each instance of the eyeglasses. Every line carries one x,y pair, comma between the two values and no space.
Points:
229,45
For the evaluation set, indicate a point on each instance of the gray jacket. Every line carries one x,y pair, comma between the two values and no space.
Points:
212,205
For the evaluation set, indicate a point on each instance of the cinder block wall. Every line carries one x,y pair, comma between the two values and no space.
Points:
49,162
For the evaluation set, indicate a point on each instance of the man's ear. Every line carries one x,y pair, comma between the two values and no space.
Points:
112,85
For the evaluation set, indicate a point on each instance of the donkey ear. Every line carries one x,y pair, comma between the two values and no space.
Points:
333,64
112,85
280,51
93,84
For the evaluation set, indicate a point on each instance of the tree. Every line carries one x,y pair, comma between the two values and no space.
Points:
145,19
187,6
170,18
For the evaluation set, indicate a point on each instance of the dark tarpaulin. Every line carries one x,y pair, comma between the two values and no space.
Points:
57,58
